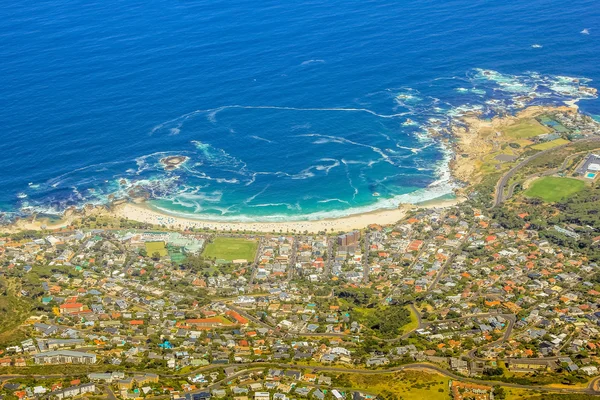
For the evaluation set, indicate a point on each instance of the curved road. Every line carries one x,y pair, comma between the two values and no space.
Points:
590,389
500,186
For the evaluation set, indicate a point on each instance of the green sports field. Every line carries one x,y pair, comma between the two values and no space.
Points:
552,189
525,128
230,249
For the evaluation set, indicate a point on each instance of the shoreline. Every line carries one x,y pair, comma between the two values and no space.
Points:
478,139
472,145
141,212
475,139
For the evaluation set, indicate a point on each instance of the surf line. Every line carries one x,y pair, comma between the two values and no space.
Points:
214,111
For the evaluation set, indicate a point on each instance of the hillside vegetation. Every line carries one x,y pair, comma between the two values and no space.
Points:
14,310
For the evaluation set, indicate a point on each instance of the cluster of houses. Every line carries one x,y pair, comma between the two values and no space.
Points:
51,391
484,295
275,384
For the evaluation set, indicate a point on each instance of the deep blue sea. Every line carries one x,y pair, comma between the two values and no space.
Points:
285,109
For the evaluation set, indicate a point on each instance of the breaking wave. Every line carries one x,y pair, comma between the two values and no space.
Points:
383,151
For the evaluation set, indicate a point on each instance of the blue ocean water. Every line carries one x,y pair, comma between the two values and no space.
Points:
295,109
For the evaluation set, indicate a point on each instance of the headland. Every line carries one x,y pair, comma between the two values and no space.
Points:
484,147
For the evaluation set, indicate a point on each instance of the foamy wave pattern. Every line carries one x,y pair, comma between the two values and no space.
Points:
309,162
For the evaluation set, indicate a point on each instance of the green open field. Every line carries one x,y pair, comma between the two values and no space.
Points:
413,324
156,247
406,385
231,249
526,128
552,189
551,144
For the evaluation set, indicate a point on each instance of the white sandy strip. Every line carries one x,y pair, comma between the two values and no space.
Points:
142,213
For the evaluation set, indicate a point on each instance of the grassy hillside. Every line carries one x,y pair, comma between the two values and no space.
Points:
406,385
14,311
526,128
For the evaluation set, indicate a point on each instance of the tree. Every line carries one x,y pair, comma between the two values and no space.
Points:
499,392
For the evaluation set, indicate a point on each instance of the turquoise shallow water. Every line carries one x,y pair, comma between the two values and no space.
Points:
285,109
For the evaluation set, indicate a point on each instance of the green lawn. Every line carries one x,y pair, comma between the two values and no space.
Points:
526,128
413,324
550,144
552,189
156,247
231,249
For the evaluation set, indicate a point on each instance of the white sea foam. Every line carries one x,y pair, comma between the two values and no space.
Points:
251,180
347,141
212,197
419,196
261,139
197,201
369,163
412,149
251,198
513,91
333,200
211,114
355,189
292,207
54,182
188,204
309,62
462,110
304,174
327,168
202,175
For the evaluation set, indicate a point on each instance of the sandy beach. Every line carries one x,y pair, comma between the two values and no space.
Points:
474,144
143,213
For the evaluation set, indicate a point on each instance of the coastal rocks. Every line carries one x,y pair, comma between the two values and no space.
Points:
479,142
118,202
173,162
138,194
